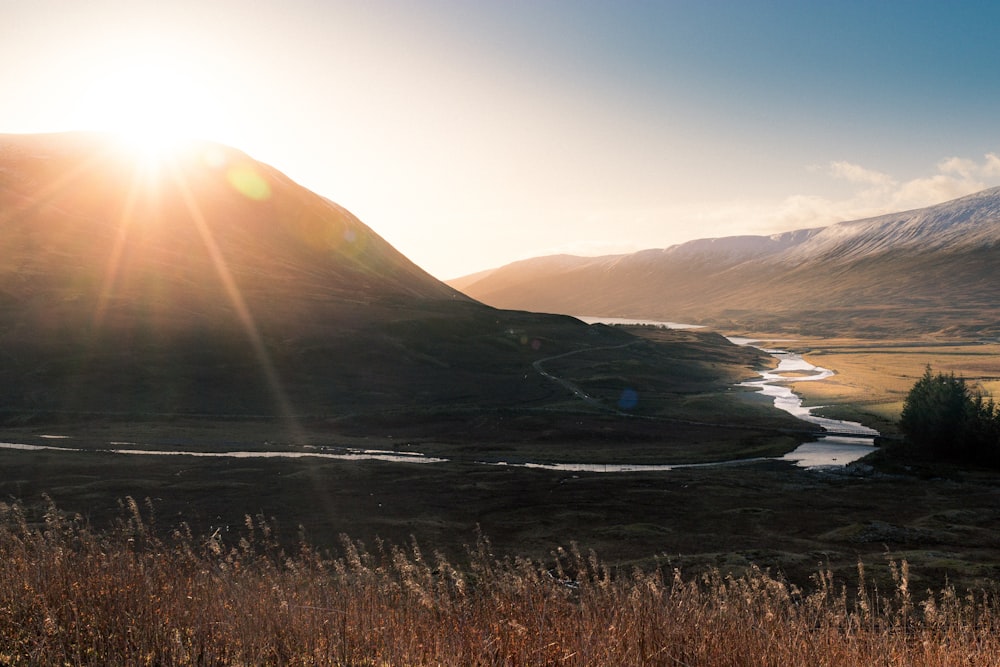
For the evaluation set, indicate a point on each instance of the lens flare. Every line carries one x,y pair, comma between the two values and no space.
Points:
248,182
628,399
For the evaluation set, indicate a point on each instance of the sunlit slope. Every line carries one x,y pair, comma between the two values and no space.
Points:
924,271
205,282
125,216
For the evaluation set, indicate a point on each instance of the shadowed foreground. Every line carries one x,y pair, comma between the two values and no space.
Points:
69,594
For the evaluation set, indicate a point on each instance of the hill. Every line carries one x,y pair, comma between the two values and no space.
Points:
209,284
932,270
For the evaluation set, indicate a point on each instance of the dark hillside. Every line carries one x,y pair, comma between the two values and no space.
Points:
210,284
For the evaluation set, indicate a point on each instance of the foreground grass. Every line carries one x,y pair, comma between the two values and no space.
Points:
71,595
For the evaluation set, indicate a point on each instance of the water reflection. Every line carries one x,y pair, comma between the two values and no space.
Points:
624,467
633,322
830,450
346,455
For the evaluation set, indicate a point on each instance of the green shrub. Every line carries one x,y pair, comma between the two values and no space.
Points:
944,420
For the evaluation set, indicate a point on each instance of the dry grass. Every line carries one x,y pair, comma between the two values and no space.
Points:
69,595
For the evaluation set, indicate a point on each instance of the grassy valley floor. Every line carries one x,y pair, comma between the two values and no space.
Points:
945,522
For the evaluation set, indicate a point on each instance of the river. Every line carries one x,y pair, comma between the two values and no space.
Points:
849,441
315,451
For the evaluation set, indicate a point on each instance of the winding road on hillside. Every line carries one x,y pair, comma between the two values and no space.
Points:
574,388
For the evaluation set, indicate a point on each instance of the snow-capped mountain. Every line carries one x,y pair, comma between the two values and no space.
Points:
966,223
922,271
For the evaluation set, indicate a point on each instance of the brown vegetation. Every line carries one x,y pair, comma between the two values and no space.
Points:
70,595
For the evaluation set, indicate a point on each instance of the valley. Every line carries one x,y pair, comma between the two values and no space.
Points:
770,514
196,319
481,334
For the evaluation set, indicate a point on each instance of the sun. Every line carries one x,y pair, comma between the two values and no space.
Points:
153,102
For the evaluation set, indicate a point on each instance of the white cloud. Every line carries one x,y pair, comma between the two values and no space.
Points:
879,193
991,168
934,189
800,211
592,231
959,166
855,173
955,177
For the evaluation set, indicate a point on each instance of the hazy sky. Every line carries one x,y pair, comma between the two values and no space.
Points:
471,134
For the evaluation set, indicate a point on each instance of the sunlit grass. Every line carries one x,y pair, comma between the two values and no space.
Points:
879,374
71,595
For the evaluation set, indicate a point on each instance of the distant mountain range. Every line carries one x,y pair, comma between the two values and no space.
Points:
210,285
931,270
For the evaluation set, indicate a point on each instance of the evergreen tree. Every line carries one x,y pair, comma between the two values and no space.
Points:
933,414
944,420
982,431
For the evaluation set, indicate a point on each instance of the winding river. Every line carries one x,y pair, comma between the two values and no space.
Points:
846,441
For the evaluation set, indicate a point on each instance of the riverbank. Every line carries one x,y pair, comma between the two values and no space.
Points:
843,441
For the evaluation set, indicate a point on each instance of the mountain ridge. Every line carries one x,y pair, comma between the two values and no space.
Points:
931,268
211,283
87,173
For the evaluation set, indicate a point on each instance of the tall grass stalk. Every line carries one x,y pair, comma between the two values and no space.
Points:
128,596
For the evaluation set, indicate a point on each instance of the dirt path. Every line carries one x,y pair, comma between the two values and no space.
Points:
574,388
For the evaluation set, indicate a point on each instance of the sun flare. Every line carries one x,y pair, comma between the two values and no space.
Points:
150,144
152,102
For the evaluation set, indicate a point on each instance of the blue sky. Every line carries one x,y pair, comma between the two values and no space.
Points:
471,134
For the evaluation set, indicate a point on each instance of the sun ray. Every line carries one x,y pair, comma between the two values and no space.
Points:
235,296
114,259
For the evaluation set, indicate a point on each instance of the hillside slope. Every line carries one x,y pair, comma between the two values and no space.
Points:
924,271
210,284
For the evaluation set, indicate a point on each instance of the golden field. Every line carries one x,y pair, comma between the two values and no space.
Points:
875,376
